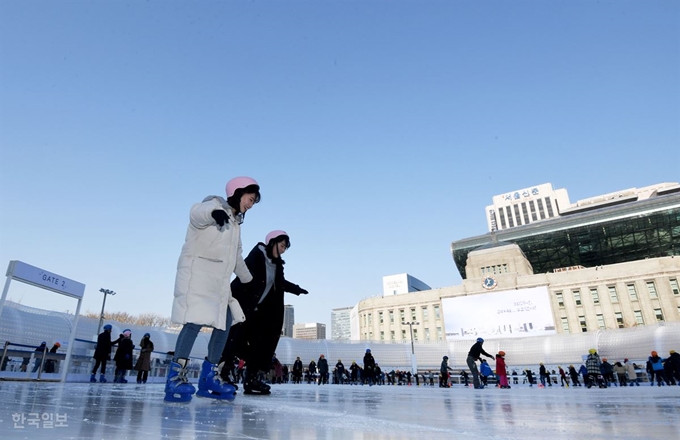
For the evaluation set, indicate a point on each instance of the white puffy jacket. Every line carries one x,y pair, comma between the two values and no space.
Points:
209,256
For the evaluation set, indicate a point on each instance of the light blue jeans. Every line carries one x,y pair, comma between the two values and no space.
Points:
187,337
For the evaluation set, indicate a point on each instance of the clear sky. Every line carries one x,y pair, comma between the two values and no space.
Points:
378,130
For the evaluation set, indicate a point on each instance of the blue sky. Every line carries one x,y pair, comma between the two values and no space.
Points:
378,130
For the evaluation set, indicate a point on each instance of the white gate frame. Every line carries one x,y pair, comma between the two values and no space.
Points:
25,273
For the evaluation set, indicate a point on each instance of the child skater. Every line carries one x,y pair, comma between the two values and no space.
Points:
211,253
501,372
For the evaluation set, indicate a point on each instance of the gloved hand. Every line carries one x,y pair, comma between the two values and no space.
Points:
303,291
220,216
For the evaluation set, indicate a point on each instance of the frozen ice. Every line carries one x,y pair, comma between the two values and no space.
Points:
31,410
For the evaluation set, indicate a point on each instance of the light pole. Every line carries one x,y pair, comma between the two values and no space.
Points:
101,317
414,367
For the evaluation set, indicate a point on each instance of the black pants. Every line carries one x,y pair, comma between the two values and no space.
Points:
142,376
96,365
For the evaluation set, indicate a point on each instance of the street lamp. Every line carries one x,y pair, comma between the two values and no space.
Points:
101,317
414,368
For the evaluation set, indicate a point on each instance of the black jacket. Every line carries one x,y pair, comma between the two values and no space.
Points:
104,344
476,350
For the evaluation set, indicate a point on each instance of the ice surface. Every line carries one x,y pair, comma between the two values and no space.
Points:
131,411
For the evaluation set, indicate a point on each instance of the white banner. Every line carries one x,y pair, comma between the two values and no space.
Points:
504,314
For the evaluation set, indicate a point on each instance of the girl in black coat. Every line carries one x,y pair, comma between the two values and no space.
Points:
123,356
255,340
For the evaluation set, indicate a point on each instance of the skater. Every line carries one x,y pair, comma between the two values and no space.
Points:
631,373
297,370
593,363
485,372
473,355
573,374
51,364
464,375
543,375
123,357
607,371
311,368
656,364
262,301
210,254
530,377
563,377
501,372
322,364
674,360
340,372
102,353
444,373
38,356
143,364
369,365
620,371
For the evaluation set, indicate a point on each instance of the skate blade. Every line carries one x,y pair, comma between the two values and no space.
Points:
223,396
176,397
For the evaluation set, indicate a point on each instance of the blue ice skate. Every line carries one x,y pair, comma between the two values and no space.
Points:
210,384
177,387
102,378
93,378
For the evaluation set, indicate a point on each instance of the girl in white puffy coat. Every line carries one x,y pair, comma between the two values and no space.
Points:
211,253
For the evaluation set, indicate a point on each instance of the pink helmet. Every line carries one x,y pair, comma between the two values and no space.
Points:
274,234
239,182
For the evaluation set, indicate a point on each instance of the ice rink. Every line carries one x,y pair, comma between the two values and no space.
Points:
44,410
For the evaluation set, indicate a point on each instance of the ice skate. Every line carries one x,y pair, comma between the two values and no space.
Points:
211,385
93,378
252,385
102,378
177,387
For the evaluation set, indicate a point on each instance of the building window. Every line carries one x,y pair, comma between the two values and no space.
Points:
600,321
651,288
674,286
612,294
415,334
392,317
532,206
577,296
595,295
370,336
380,317
439,334
517,215
525,213
403,334
500,211
540,208
425,314
402,315
392,334
659,315
638,317
565,325
436,312
427,334
548,205
382,335
632,292
413,314
505,268
370,319
619,319
560,299
582,321
511,222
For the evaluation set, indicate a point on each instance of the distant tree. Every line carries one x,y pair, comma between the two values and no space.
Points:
144,319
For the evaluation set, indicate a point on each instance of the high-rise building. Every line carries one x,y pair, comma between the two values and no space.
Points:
340,324
402,283
313,330
288,320
602,263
